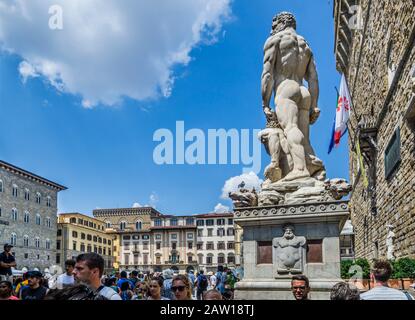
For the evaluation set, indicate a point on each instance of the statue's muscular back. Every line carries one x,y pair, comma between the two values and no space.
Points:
292,56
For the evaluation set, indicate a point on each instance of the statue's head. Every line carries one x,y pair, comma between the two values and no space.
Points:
283,21
288,231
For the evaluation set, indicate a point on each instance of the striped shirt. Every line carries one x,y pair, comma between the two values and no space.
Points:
384,293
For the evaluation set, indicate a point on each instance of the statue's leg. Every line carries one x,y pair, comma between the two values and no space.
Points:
274,171
304,119
314,164
287,97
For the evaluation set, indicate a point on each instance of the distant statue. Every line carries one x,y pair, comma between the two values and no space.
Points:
289,252
389,243
288,60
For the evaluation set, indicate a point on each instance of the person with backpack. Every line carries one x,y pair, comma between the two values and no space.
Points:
167,284
202,284
220,280
126,294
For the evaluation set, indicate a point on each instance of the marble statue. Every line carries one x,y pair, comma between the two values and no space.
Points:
288,252
244,197
288,60
295,174
389,243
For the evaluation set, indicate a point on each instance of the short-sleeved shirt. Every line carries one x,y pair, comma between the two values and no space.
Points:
33,294
6,259
384,293
109,293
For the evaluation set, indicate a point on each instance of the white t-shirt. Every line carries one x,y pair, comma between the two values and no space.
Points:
109,293
64,281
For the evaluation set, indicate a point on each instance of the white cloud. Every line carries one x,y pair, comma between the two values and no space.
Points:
251,181
109,49
154,199
220,208
27,71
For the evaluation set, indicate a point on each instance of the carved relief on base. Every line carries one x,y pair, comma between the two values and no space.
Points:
288,253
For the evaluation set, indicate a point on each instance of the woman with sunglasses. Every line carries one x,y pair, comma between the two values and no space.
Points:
140,291
181,288
154,289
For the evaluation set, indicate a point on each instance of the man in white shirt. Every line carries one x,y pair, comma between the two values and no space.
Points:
380,274
66,279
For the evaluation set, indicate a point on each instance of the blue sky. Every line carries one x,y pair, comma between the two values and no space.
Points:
104,154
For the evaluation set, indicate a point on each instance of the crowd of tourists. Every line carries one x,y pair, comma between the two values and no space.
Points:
84,279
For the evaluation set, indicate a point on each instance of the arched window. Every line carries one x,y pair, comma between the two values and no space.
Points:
38,219
48,201
138,225
38,197
47,244
108,224
48,222
13,239
26,217
15,190
14,214
1,185
26,241
123,224
26,194
37,242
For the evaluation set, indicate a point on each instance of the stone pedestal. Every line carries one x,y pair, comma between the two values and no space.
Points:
268,268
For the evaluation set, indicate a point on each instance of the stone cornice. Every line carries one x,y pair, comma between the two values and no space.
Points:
31,176
125,212
304,211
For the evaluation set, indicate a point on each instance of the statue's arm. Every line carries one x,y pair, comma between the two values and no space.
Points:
267,79
313,87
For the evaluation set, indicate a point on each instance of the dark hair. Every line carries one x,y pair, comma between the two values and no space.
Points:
125,286
134,273
123,274
159,281
8,284
344,291
92,260
110,282
70,263
301,277
17,281
201,271
382,270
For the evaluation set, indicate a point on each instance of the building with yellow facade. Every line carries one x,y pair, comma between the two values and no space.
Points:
78,233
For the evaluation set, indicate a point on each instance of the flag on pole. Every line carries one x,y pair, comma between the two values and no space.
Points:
344,103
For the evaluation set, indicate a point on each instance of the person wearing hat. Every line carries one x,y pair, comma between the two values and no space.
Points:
34,291
7,262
